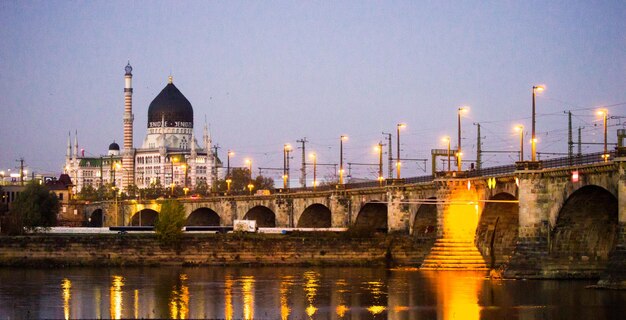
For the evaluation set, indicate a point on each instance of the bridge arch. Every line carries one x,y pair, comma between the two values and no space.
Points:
425,221
203,217
586,225
499,222
144,217
315,216
264,216
96,219
372,217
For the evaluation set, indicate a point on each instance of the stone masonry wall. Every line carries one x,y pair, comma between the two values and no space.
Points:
213,249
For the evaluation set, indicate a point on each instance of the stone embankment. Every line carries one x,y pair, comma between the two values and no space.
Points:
211,249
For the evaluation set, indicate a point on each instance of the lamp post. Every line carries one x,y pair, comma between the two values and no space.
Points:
459,153
286,150
250,185
398,163
533,141
520,128
341,139
605,114
379,149
447,139
314,157
228,179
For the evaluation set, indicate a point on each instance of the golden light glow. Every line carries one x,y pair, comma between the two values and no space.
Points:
401,125
248,161
287,147
341,310
344,138
460,218
458,295
228,298
66,286
231,153
116,297
285,284
376,309
445,139
539,88
136,304
602,112
179,300
247,290
312,155
519,128
310,288
118,166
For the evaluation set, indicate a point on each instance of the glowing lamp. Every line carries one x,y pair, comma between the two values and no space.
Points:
575,176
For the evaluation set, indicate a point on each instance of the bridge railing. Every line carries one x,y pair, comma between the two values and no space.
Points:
576,160
490,171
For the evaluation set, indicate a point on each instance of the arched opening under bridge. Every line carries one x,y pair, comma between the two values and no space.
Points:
145,217
315,216
496,233
203,217
372,218
264,216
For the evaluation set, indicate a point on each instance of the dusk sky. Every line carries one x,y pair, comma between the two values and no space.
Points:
266,73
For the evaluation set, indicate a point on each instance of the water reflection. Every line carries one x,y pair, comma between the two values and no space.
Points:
293,293
66,285
116,297
179,300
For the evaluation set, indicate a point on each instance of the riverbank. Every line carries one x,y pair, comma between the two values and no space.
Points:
212,249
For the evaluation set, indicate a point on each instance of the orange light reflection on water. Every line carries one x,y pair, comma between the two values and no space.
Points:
116,297
457,293
247,289
285,283
228,298
66,285
179,301
310,288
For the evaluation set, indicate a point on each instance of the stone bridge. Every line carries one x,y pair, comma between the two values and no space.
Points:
524,217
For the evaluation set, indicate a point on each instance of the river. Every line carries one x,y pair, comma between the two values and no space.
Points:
294,293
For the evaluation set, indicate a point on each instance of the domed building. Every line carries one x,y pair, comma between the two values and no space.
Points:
170,154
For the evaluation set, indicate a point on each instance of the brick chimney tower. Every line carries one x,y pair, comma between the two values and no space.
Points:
128,155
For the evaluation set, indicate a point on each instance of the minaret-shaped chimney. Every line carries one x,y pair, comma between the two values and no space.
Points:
68,153
76,145
128,158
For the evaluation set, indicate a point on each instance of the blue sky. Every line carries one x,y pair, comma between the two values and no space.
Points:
265,73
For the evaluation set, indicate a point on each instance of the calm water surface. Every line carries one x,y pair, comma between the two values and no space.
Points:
294,293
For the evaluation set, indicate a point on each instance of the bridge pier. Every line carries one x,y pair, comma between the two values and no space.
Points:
615,274
398,213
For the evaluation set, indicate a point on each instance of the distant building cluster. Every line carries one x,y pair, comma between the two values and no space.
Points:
169,156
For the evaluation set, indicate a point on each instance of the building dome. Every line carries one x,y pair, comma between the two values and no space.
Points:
114,147
173,106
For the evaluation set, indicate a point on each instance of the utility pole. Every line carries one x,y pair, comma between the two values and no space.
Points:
303,141
21,171
570,141
214,169
390,154
479,151
580,149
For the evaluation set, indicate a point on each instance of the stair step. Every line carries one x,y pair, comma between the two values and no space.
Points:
452,254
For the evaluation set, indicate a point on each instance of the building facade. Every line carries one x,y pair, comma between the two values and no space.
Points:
170,154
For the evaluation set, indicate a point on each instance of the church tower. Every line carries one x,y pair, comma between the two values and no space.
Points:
128,159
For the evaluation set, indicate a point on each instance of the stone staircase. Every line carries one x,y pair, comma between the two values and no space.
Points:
451,254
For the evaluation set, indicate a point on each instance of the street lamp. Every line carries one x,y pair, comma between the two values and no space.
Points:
341,139
605,114
533,141
447,139
314,157
398,163
286,150
249,164
379,149
459,153
520,128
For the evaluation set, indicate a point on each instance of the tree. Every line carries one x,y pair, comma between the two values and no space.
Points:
155,190
170,222
202,188
240,178
34,207
88,193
